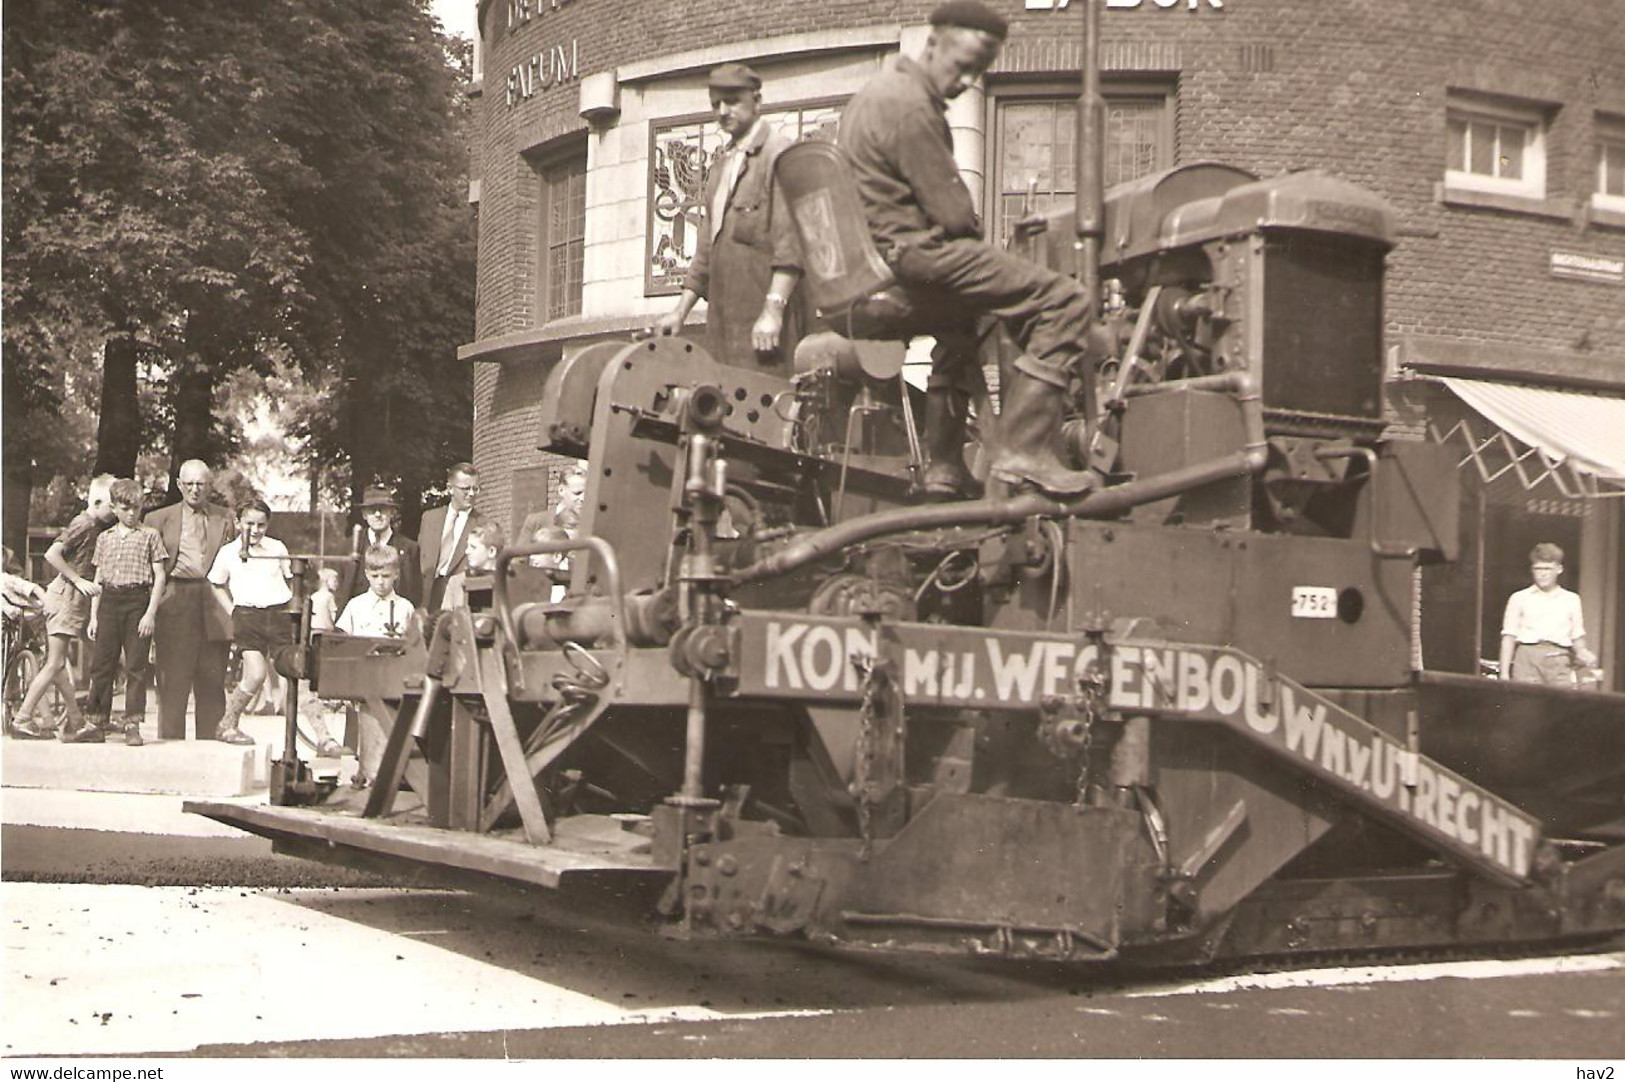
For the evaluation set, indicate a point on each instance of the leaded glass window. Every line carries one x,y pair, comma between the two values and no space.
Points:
680,156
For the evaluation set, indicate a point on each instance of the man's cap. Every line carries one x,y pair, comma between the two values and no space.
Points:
378,496
972,15
734,77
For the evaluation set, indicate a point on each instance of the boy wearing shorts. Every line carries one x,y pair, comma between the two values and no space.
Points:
67,609
250,578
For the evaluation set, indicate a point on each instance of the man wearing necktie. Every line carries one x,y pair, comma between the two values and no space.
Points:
443,533
192,639
749,257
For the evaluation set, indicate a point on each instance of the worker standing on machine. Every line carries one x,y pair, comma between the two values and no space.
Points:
895,133
749,257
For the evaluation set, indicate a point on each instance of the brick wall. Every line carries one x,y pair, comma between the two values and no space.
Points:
1356,87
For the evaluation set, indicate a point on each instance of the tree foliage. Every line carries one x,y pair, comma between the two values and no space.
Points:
226,185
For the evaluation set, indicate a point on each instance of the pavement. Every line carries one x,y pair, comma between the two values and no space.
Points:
112,788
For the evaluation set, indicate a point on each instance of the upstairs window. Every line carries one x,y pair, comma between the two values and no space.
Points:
1610,190
1492,147
560,234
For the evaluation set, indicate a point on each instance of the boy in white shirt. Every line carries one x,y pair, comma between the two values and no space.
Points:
324,602
1543,632
250,579
324,615
380,612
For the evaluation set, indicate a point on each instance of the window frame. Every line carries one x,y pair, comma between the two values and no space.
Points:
658,125
1610,136
558,164
1005,92
1530,117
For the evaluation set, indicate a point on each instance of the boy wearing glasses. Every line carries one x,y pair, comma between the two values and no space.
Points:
1543,633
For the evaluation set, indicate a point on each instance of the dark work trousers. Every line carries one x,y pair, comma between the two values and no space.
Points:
949,284
117,622
189,662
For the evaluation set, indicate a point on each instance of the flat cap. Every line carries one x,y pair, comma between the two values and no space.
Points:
972,15
734,77
377,496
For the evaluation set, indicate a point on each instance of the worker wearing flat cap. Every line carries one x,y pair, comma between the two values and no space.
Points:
749,257
921,217
381,521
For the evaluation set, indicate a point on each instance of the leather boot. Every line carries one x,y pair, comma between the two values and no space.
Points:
946,477
228,733
1030,436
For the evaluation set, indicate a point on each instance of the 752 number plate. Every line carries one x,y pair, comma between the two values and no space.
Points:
1314,602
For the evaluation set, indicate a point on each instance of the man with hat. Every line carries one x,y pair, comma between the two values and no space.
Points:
381,518
920,214
749,257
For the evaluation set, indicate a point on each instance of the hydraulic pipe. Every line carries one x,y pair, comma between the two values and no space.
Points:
986,512
1091,194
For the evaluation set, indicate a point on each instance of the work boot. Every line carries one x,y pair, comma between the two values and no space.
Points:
1030,436
228,733
946,477
132,733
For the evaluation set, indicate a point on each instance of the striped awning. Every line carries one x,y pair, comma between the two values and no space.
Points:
1576,440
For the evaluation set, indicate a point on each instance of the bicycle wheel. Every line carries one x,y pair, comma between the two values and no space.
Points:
21,668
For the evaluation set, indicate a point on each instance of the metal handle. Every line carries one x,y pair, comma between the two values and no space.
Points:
1382,551
611,567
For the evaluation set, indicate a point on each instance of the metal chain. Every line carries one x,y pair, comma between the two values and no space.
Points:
865,751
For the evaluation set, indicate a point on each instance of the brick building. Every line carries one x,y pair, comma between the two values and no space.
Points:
1496,128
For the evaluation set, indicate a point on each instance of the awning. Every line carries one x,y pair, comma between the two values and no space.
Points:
1577,440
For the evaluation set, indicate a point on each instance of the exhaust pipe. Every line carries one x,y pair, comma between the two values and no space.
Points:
1091,150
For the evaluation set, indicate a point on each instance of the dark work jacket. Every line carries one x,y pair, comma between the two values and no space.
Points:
895,133
757,238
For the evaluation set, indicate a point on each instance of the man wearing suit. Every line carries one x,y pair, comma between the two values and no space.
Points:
443,534
380,515
193,633
748,260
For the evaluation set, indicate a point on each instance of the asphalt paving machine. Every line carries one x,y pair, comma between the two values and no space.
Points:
1175,719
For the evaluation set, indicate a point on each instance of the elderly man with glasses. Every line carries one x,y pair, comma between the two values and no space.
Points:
443,533
193,634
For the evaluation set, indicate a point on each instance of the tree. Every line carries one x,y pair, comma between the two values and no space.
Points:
134,211
382,118
244,182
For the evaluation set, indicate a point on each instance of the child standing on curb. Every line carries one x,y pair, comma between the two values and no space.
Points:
67,607
251,581
129,562
324,613
324,603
